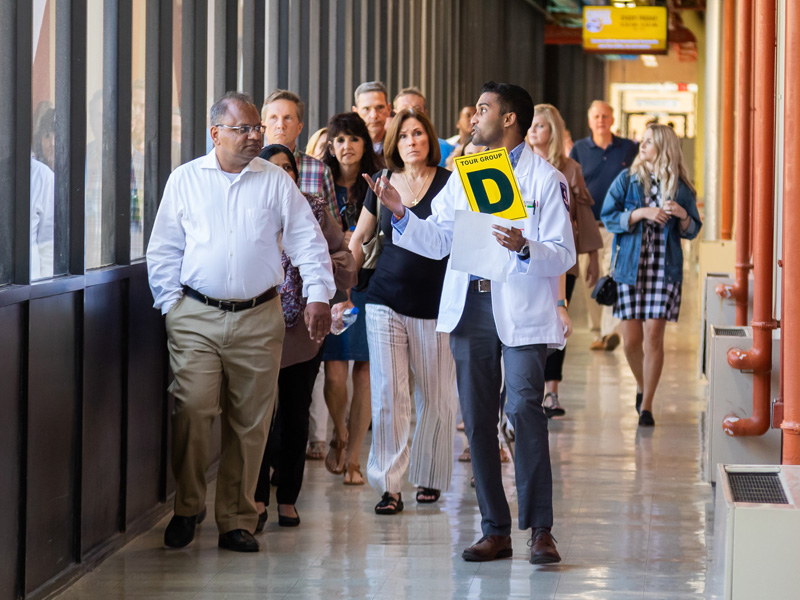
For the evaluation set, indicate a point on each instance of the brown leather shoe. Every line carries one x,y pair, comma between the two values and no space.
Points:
543,547
489,547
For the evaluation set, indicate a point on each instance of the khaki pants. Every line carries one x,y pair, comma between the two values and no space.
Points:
601,318
206,347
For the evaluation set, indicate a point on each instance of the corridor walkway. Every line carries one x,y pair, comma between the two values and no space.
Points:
633,516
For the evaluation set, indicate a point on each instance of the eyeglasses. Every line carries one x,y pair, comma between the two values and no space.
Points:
244,129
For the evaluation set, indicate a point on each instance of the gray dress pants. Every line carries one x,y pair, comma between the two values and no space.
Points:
477,351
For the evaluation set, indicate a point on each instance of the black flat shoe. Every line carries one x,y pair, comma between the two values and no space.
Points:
639,396
180,531
262,520
238,540
288,521
646,419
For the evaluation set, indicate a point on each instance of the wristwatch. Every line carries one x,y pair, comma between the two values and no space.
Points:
562,303
525,253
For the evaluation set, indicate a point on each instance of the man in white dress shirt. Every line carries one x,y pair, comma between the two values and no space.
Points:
515,319
214,261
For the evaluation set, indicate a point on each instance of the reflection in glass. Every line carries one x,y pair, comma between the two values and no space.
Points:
43,124
177,28
137,127
239,46
99,239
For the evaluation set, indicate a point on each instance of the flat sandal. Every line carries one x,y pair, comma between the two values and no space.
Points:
389,505
422,492
335,460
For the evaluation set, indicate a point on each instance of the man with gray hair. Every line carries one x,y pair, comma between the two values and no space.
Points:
282,116
372,105
214,261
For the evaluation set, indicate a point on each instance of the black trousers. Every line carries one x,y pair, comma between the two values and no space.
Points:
555,360
286,445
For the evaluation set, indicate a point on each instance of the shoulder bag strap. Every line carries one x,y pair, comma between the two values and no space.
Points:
384,173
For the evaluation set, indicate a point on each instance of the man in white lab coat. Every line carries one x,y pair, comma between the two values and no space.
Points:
515,320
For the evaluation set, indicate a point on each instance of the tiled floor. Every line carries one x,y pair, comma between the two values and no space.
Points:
633,516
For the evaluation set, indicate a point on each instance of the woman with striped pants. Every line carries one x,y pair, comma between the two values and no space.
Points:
402,305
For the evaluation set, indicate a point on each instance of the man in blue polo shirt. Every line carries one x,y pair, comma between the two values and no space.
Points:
602,157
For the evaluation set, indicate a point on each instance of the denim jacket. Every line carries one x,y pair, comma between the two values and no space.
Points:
624,196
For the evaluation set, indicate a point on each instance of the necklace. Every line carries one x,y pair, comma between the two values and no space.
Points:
416,199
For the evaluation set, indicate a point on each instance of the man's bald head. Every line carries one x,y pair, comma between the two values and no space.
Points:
602,105
601,118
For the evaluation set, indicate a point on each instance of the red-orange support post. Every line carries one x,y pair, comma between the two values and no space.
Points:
790,324
728,117
739,291
759,358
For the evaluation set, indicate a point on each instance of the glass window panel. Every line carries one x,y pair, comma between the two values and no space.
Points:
239,48
99,216
43,76
177,28
137,126
210,99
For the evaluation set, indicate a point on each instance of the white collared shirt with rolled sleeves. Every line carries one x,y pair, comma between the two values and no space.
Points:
223,237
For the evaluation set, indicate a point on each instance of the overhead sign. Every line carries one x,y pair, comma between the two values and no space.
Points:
635,30
489,182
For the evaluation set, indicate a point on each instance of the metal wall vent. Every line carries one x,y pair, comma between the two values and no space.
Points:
759,488
730,332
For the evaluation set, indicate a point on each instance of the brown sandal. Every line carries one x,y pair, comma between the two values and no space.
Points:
334,462
351,471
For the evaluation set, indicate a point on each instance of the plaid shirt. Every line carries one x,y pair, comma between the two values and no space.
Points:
316,179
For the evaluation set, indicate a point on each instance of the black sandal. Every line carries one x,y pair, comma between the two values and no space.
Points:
389,505
423,491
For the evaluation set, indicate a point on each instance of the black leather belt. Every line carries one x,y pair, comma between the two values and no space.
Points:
480,286
230,305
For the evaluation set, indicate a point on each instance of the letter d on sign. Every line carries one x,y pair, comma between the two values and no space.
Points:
478,181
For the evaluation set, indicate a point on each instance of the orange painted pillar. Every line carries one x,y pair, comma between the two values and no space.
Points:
744,161
728,116
790,323
759,358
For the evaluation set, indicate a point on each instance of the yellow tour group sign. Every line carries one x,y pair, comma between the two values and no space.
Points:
489,182
615,30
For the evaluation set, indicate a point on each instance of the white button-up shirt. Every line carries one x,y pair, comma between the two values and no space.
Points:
524,306
221,234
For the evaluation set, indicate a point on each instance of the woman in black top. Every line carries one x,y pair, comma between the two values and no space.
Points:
402,306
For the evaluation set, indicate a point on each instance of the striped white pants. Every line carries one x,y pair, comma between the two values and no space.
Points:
397,342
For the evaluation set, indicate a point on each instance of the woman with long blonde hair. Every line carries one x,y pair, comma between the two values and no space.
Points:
546,138
650,208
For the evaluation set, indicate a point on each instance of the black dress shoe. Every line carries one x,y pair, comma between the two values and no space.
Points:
262,520
639,396
646,419
238,540
288,521
180,531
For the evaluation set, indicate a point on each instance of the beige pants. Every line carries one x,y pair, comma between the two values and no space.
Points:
601,318
206,347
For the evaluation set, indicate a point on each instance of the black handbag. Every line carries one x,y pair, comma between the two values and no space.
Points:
605,290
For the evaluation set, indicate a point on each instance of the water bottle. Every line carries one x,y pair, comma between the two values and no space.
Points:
348,318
